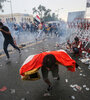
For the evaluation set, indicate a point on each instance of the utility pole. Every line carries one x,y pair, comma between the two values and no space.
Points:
11,9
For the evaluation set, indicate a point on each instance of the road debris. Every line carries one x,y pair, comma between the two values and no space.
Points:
66,80
89,67
27,92
73,97
4,88
87,89
47,94
76,86
80,74
84,86
12,91
23,99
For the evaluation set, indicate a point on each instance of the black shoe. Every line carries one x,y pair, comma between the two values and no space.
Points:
49,88
77,65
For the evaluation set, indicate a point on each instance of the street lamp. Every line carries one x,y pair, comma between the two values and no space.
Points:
11,9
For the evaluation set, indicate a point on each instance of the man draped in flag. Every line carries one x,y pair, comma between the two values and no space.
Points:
47,61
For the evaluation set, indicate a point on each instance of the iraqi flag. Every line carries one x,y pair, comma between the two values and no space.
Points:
88,4
37,19
34,62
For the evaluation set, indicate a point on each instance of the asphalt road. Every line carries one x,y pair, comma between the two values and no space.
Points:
67,88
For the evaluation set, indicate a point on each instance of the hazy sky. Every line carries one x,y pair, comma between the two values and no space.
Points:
25,6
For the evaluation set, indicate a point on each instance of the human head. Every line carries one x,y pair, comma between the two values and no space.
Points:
1,24
49,60
76,39
76,50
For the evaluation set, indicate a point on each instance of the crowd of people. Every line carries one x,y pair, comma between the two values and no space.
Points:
33,27
48,61
79,41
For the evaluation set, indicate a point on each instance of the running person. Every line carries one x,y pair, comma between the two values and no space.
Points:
8,39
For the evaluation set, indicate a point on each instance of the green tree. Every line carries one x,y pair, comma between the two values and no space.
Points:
45,14
34,10
41,11
1,1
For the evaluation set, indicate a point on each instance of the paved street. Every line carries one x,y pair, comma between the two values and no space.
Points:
20,37
13,88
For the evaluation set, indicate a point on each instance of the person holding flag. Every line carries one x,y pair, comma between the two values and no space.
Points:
40,24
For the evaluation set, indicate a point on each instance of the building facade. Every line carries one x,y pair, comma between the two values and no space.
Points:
17,18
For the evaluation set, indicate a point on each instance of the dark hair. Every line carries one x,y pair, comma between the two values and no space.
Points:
76,50
76,38
49,60
1,24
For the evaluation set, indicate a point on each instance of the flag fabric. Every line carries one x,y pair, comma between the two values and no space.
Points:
34,62
88,4
37,19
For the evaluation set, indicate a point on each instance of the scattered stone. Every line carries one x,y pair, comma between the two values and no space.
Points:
27,92
84,75
47,94
84,86
85,60
79,68
73,97
87,89
89,67
66,80
74,89
12,91
80,74
22,98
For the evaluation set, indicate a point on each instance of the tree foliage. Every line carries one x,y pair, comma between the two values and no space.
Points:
1,1
44,13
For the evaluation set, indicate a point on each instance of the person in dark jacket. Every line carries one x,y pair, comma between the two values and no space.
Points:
8,39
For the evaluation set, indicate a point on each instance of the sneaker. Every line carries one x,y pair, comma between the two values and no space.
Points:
8,60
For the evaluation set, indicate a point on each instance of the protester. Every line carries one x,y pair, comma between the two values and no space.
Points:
76,46
8,39
47,61
50,64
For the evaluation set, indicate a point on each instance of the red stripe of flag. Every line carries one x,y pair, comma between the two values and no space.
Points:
38,17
